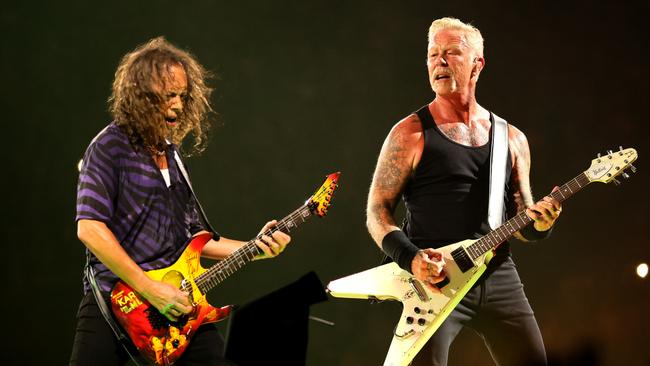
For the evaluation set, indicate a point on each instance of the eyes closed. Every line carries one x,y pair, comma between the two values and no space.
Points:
451,52
174,94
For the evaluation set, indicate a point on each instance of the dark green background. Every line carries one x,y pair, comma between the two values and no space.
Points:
305,88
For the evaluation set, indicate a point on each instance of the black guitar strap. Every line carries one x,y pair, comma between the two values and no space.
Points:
186,176
106,313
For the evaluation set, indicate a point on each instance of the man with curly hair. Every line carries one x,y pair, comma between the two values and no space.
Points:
135,211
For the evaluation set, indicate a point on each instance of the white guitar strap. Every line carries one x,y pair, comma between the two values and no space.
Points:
498,162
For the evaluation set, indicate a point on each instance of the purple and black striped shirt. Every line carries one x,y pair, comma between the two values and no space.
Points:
124,188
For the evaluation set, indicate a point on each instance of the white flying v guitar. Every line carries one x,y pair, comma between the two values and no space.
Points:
423,310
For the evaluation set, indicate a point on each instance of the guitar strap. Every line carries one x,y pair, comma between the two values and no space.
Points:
186,176
106,313
498,163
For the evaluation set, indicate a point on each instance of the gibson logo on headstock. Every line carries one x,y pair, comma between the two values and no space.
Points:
598,171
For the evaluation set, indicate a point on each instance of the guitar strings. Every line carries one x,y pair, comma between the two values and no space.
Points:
226,263
220,271
519,221
249,248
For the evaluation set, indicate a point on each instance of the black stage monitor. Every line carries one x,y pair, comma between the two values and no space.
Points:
272,330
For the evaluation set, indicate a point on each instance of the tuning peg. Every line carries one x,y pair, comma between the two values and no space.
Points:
616,182
625,175
632,168
598,155
620,148
609,152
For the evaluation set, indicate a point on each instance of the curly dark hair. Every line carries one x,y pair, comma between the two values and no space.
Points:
136,102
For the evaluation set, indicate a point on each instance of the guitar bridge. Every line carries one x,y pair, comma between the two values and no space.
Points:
418,289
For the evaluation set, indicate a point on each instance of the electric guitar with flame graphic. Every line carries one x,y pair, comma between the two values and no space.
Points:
423,310
161,341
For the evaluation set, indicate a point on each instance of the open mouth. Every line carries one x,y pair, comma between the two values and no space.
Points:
170,120
441,77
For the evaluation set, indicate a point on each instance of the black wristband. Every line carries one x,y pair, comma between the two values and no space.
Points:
398,246
531,234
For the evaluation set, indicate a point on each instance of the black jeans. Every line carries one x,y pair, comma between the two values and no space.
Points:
498,310
96,345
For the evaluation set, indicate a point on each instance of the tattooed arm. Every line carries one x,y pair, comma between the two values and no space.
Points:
398,158
544,212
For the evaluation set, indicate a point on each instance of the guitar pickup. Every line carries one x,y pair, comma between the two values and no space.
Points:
462,259
418,289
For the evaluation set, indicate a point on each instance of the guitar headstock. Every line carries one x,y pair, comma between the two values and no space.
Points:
606,168
320,201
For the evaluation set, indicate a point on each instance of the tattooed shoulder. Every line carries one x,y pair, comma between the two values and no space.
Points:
396,157
518,146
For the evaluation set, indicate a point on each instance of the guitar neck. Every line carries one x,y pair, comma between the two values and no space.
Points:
504,232
246,253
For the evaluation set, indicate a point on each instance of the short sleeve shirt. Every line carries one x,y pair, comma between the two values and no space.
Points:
123,187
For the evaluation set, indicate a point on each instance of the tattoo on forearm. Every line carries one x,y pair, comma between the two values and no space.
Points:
381,214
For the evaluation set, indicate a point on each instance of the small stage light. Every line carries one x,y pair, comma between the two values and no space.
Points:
642,270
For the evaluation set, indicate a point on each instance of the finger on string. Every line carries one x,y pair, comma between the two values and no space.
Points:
533,214
280,236
264,247
269,225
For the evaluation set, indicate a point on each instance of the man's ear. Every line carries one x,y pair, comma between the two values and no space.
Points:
479,64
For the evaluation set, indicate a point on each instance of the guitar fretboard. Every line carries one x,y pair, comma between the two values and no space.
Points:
246,253
499,235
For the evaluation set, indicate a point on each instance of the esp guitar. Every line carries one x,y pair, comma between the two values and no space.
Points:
161,341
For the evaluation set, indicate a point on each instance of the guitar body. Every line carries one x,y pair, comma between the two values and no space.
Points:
158,339
423,310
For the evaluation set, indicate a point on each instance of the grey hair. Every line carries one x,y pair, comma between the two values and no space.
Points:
472,34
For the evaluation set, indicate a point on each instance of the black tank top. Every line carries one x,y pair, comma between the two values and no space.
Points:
447,197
